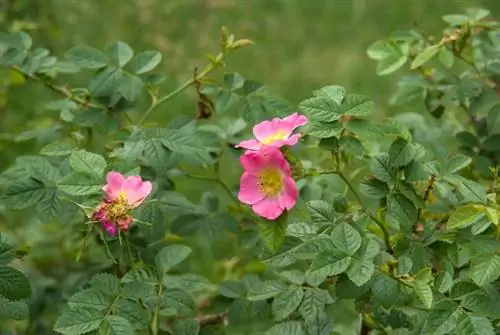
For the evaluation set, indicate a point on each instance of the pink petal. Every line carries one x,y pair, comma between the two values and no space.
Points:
250,144
115,183
268,208
292,140
136,196
125,223
250,189
274,157
296,120
252,161
269,128
109,227
289,195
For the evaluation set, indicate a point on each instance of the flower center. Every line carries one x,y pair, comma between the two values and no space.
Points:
118,209
279,135
271,181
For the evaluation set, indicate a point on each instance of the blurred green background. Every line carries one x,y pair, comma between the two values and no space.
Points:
300,44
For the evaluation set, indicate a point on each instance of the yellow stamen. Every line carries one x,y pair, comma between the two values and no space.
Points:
119,208
279,135
271,181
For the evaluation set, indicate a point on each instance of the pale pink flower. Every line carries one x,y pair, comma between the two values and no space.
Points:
122,195
267,184
276,132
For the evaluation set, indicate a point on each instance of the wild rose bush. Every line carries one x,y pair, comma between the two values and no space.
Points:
338,225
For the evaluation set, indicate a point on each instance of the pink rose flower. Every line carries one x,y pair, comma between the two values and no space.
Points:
276,132
122,195
267,184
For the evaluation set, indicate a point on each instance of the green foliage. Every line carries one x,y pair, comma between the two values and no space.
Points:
394,231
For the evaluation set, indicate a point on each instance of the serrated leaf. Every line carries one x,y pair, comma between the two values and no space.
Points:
106,283
289,328
7,253
457,163
469,324
357,105
485,269
79,184
14,284
87,57
186,327
177,303
401,153
346,238
120,53
170,256
25,192
232,289
321,212
330,262
402,210
472,191
313,302
319,324
379,166
360,271
424,292
266,290
57,149
446,57
374,188
424,56
465,216
493,120
13,310
273,232
87,162
286,302
441,321
386,290
90,299
115,325
78,322
106,82
145,61
133,312
131,87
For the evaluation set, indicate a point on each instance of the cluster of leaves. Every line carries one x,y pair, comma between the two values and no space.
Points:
388,236
455,73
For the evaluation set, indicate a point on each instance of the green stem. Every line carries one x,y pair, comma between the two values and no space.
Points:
381,225
157,103
129,252
153,326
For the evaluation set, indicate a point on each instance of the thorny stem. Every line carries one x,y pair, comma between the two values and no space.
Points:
156,103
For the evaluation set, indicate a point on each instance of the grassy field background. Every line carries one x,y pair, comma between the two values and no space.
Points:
300,44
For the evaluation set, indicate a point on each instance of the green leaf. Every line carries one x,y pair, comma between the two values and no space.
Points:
90,298
319,324
7,253
321,212
424,292
386,290
78,322
472,191
360,271
469,324
351,146
106,82
177,303
273,232
402,210
288,328
13,310
266,290
391,64
485,269
188,144
401,153
56,149
131,87
25,192
87,162
374,188
313,302
170,256
357,105
145,61
446,57
120,53
232,289
324,129
424,56
493,120
14,284
79,184
364,129
286,302
106,283
465,216
87,57
457,163
133,312
115,325
329,263
441,321
456,20
379,166
186,327
346,238
325,104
